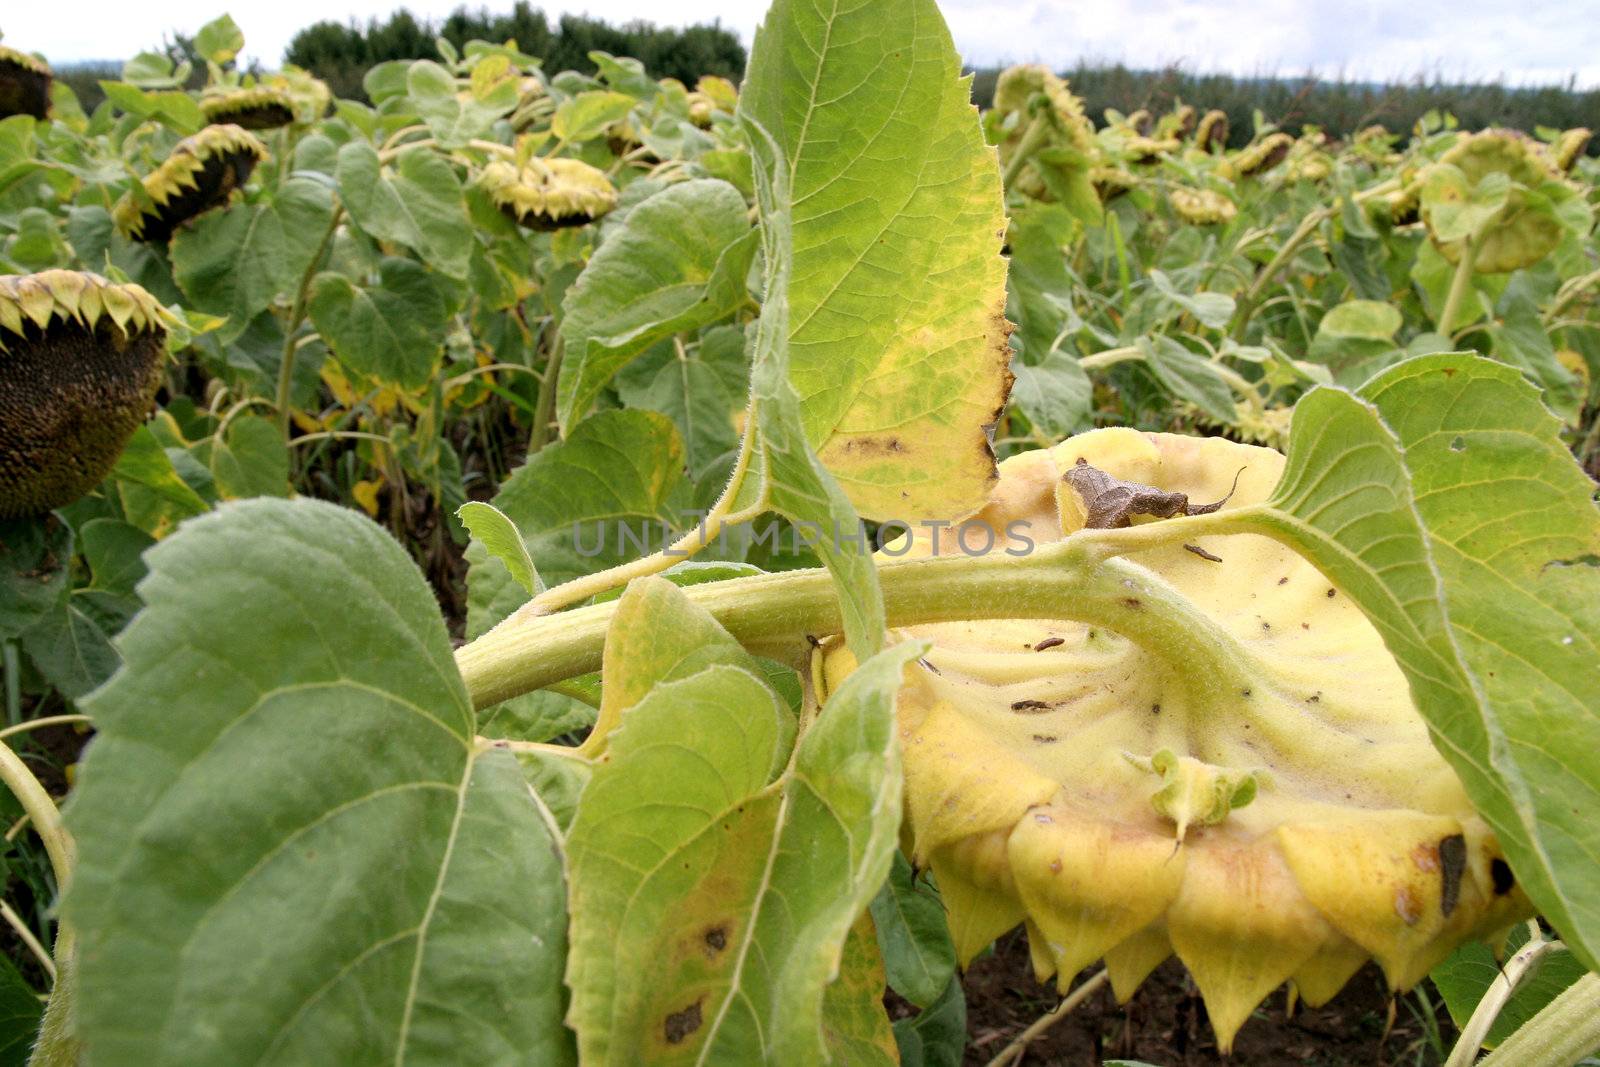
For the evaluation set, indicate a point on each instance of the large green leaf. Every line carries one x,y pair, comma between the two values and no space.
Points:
1472,970
1442,499
915,938
35,571
237,261
570,500
291,850
896,297
71,651
699,388
678,263
20,1011
392,331
417,202
154,497
250,459
710,901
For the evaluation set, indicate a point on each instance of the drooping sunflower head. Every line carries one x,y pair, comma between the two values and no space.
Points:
261,108
201,173
1214,756
1200,207
1112,182
1522,233
722,92
1019,85
80,362
1569,146
549,194
1178,123
1212,133
24,85
1261,156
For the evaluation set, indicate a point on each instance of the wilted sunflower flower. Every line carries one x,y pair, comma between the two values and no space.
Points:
1200,206
1212,133
1112,182
549,194
24,85
1569,146
1261,156
1520,237
261,108
1218,758
1019,84
80,362
1177,124
722,92
201,173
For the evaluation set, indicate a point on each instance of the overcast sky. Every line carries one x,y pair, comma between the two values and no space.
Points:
1470,40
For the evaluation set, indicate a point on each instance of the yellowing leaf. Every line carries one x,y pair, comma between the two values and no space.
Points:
896,298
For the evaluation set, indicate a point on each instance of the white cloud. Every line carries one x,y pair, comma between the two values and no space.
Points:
1366,39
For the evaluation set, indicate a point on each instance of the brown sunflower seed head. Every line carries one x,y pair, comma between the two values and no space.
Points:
80,362
549,194
24,85
201,173
1212,133
1259,157
260,108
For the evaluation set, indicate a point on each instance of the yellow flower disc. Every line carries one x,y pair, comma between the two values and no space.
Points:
1250,788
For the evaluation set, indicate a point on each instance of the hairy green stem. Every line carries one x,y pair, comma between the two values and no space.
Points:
1564,1032
297,315
545,407
1460,283
44,814
1246,306
773,614
1032,137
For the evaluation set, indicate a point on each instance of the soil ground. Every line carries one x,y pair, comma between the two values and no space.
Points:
1165,1022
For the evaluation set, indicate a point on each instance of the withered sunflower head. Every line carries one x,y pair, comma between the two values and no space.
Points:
1510,152
1112,182
1519,237
1212,133
549,194
201,173
261,108
723,93
701,108
1142,149
1201,207
80,362
1569,146
1215,756
24,85
1261,156
1019,85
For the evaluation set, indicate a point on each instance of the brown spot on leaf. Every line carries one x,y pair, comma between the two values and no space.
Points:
1049,642
680,1024
1133,603
1044,739
716,939
1030,705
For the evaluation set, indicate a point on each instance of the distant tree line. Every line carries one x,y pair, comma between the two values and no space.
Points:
1339,107
340,54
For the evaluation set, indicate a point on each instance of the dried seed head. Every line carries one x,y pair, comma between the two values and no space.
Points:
1568,147
1202,207
1212,133
1259,157
201,173
549,194
80,361
261,108
24,85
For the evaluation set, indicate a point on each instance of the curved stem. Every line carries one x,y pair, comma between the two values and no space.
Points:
20,928
1460,283
1518,967
1566,1031
1032,137
42,810
704,533
1569,292
48,720
340,435
297,315
1013,1052
1246,306
772,614
1110,357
